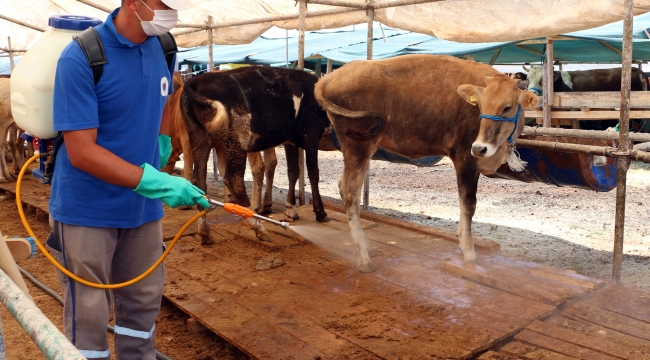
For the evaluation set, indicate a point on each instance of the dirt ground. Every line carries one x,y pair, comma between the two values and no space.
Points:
561,227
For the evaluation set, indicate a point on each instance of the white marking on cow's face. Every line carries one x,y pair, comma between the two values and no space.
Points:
481,149
535,79
296,103
220,119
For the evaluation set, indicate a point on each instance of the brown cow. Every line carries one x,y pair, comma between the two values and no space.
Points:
410,105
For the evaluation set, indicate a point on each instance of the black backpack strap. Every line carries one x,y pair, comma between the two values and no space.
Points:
169,47
93,48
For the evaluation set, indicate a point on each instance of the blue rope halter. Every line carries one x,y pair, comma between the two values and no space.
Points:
537,91
514,119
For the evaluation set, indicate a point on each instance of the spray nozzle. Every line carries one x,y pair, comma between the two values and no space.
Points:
247,213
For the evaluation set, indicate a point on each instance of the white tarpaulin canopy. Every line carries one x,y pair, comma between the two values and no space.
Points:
456,20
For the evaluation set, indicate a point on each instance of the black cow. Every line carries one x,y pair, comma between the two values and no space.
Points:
252,109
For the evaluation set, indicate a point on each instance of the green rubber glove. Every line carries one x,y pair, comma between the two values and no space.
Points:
165,146
172,190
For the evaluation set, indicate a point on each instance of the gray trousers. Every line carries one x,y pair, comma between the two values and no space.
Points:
106,255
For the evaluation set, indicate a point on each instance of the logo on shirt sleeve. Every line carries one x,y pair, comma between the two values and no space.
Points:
164,86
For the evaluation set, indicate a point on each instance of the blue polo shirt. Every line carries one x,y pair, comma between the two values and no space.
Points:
126,108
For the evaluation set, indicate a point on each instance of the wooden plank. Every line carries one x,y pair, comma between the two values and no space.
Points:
559,346
517,349
250,332
603,99
590,115
317,297
625,301
609,319
565,276
503,282
505,272
578,338
601,332
492,355
479,244
543,354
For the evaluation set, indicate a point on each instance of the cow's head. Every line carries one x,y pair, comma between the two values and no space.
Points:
535,75
500,104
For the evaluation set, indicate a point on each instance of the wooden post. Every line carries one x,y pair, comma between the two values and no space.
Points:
317,70
286,45
371,19
210,55
11,54
301,66
623,143
547,86
329,66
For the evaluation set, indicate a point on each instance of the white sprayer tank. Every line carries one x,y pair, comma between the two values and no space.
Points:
32,80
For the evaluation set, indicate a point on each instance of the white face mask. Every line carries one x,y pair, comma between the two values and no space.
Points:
163,21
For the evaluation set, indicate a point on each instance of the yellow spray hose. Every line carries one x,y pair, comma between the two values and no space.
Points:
66,271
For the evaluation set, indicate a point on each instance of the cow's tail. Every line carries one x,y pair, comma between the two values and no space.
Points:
220,119
319,93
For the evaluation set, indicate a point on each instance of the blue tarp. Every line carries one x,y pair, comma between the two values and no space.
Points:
4,65
345,46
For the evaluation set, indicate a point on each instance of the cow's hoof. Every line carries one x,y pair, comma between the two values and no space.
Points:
470,256
207,240
291,215
265,210
322,217
365,268
264,237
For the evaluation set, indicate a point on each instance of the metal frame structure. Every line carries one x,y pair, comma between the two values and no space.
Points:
623,153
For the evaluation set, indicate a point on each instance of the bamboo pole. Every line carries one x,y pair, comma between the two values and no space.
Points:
210,42
47,337
366,6
495,56
21,23
547,86
582,149
329,66
96,6
301,66
3,354
371,18
623,143
11,54
584,134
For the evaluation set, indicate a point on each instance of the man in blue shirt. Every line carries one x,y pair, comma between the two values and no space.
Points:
105,203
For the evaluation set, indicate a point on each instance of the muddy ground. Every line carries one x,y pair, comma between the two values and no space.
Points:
562,227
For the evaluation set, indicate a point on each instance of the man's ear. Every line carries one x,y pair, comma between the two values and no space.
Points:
470,93
528,100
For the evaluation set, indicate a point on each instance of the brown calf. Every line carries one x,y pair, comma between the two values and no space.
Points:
410,105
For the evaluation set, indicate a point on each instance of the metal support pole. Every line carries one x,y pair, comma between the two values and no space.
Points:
301,66
11,54
547,86
210,42
40,329
329,66
371,19
623,143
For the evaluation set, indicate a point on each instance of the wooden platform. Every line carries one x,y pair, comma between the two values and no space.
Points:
422,301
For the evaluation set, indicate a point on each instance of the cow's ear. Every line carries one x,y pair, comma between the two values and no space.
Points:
470,93
528,100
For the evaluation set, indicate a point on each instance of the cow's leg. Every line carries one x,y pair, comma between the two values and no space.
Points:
5,176
293,171
271,161
186,149
467,178
257,168
356,158
202,154
311,155
233,179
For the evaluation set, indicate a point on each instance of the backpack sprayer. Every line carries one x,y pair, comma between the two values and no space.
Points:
32,92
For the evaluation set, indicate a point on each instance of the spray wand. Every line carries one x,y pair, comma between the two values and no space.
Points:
245,212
